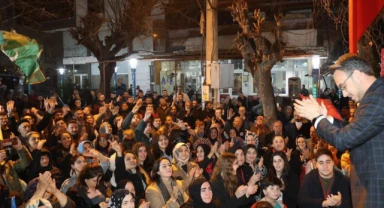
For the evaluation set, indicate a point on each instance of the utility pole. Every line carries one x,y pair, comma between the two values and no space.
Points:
211,46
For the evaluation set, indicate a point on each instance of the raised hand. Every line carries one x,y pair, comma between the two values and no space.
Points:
116,146
66,110
3,155
52,186
44,180
261,162
145,205
240,191
72,149
147,115
289,153
41,144
34,111
251,190
175,193
19,145
10,105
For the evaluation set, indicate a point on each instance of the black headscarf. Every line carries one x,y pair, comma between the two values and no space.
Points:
194,199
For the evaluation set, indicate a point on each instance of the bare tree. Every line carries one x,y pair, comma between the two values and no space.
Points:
260,53
125,20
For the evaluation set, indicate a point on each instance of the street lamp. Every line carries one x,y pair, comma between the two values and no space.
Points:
133,64
61,71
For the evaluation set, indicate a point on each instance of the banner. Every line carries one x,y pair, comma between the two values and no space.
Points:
24,52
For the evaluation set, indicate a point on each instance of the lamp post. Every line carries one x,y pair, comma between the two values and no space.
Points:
61,71
133,64
115,79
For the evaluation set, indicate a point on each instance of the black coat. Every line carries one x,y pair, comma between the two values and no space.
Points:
221,193
79,196
311,191
293,132
291,191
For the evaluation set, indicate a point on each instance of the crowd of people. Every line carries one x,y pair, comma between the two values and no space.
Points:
163,151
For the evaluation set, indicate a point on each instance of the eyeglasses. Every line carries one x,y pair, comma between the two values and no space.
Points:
342,86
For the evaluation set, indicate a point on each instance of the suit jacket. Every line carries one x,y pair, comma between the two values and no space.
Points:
364,137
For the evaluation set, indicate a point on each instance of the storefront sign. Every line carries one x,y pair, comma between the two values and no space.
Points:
206,93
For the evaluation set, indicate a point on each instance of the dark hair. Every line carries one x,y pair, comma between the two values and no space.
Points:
89,171
63,132
323,151
136,147
74,158
224,168
246,148
118,196
156,151
270,180
156,167
350,62
286,174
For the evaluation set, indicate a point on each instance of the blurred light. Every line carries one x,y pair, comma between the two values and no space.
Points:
61,71
133,63
316,62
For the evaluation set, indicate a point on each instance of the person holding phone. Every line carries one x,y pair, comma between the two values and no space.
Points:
10,169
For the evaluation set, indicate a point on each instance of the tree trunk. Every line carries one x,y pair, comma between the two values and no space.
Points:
106,73
262,78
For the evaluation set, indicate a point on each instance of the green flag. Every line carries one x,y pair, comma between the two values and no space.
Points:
24,52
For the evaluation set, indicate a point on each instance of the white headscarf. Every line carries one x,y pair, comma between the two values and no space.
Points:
176,159
34,203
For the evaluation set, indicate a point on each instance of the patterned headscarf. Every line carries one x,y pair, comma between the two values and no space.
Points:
38,202
117,198
176,159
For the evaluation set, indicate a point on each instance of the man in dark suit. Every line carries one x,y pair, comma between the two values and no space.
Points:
277,129
297,126
364,135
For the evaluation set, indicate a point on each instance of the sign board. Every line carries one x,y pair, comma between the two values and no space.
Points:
206,93
215,75
227,75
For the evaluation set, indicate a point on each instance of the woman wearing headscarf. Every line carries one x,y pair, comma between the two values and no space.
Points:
204,158
182,167
41,162
200,195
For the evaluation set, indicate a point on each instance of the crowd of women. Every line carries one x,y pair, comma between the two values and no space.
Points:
153,151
